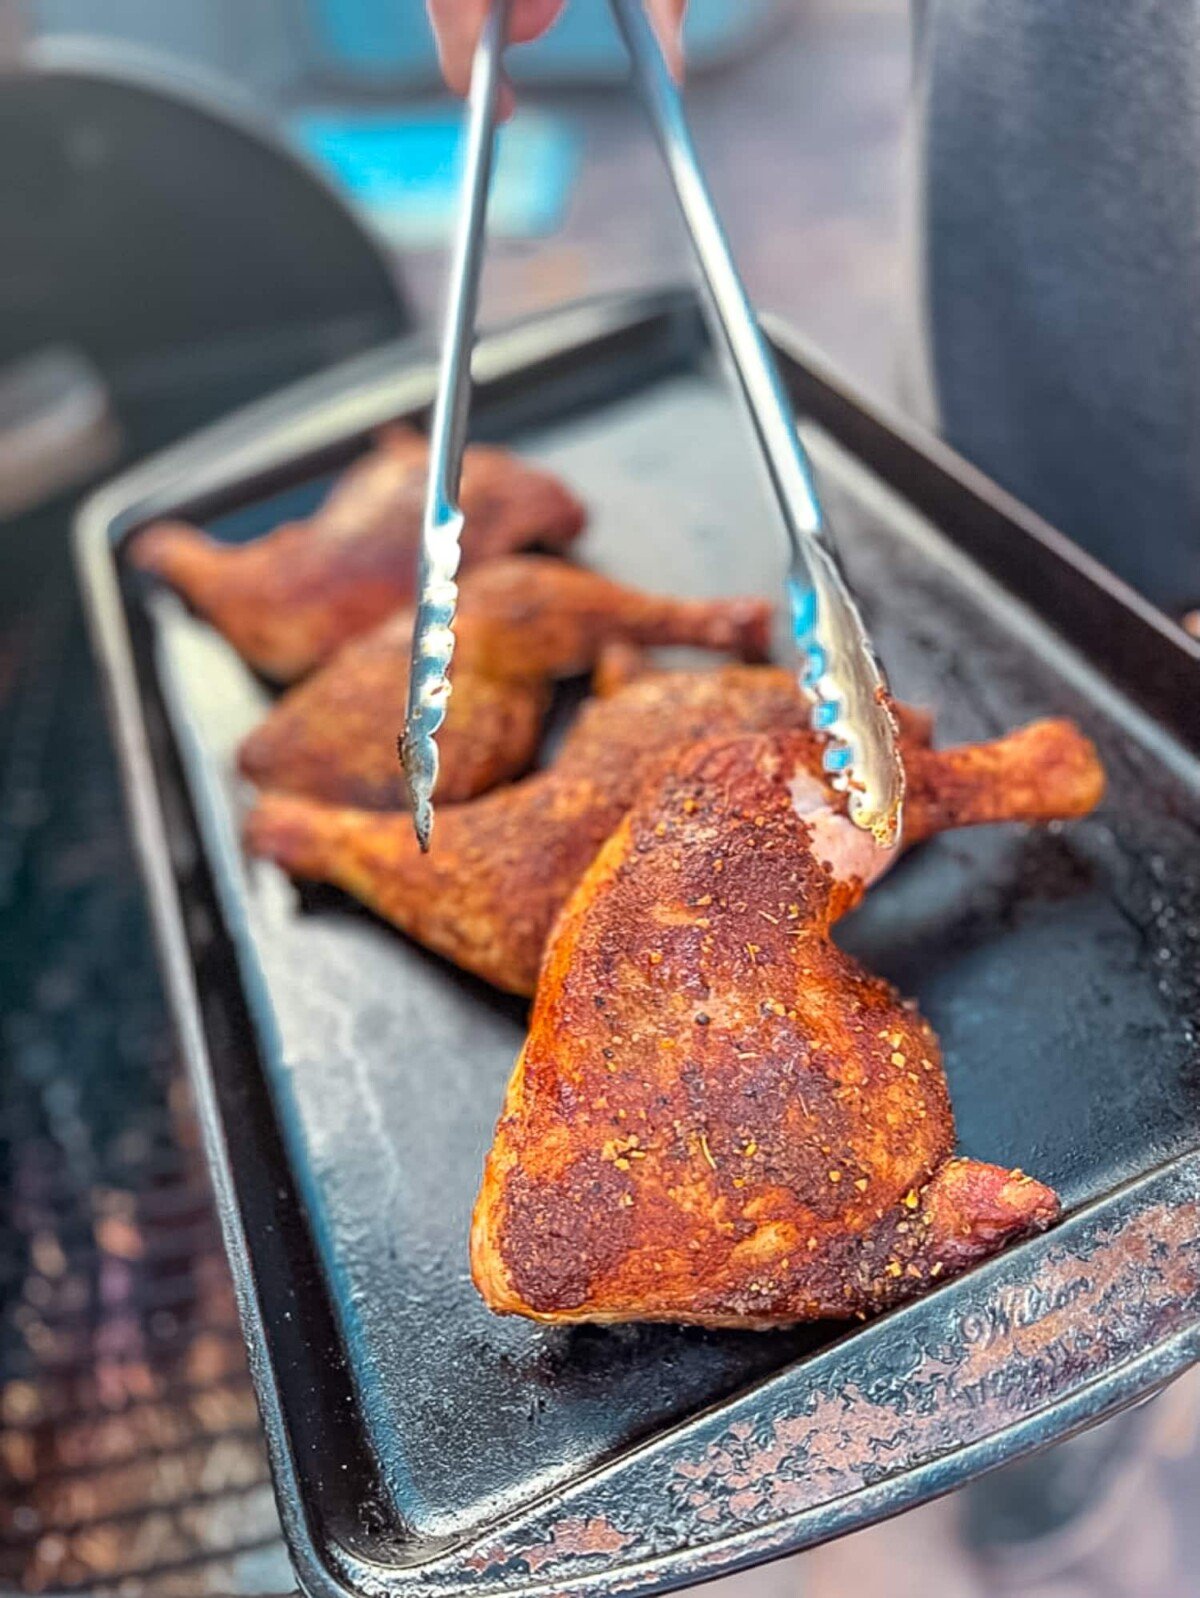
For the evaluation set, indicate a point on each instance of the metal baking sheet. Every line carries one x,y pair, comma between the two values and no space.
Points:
350,1081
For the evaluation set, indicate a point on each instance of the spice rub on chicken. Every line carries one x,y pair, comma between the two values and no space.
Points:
522,623
718,1116
503,865
289,600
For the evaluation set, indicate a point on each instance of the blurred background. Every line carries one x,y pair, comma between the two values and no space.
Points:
199,202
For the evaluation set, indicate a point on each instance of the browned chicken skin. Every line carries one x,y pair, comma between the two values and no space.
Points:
718,1116
288,600
502,866
522,622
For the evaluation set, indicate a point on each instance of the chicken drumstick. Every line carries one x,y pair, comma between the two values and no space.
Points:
522,622
503,865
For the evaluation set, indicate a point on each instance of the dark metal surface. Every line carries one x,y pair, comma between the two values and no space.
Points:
419,1443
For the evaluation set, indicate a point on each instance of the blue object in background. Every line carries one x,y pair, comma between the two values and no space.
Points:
389,41
402,169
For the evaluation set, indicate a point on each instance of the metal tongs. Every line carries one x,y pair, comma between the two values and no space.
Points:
441,532
837,662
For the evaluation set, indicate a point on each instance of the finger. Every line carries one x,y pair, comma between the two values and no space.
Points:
456,28
457,25
667,17
530,19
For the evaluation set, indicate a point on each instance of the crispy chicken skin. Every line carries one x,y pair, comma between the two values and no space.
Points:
502,866
718,1117
288,600
523,622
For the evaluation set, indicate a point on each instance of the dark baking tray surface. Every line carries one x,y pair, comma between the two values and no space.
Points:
349,1082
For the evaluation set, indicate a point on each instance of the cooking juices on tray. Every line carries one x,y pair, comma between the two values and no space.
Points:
718,1116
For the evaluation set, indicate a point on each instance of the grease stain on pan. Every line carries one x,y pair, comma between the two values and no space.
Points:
573,1538
1007,1357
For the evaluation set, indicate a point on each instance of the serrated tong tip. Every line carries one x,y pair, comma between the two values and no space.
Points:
852,707
837,663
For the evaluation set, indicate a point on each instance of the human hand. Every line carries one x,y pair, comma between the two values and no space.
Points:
457,25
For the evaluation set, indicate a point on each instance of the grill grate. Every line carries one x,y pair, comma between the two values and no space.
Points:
131,1457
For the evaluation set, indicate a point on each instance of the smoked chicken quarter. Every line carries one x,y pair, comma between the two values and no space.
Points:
288,600
718,1116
